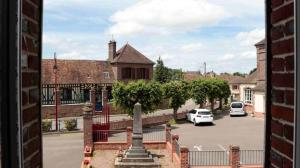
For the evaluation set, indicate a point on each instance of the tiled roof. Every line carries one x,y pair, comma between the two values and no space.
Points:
260,87
128,54
76,71
192,75
250,79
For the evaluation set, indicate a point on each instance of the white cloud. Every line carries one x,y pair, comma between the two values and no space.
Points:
251,37
72,45
227,57
192,47
161,16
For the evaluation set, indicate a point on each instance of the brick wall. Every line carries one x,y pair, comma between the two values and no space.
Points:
31,56
149,121
281,46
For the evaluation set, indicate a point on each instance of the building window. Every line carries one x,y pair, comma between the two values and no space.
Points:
126,73
66,94
234,87
142,73
106,75
248,95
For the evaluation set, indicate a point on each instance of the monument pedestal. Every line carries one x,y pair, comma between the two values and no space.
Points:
137,156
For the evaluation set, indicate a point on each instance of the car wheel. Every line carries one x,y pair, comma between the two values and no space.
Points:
195,122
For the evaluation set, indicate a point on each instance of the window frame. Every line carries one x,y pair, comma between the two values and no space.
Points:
106,75
10,64
296,155
248,92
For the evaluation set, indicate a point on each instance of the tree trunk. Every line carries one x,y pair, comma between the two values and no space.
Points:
220,104
212,105
175,114
201,105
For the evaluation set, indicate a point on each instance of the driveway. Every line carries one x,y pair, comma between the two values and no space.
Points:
247,132
64,150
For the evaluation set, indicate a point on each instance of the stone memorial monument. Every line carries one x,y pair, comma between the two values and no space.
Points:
137,156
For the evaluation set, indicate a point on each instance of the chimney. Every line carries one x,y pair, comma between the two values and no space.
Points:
112,45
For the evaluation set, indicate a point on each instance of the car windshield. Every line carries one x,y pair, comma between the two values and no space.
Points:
205,112
236,105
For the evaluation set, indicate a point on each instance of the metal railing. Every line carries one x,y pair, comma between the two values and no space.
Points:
110,136
177,148
154,134
169,136
208,158
251,157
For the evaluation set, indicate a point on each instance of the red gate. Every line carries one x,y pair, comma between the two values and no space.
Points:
101,124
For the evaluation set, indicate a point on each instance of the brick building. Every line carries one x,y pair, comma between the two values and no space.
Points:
20,84
75,78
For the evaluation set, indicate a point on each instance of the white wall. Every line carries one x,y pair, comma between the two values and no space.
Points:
259,102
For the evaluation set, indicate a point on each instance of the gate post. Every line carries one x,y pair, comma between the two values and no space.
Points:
104,96
88,125
184,157
129,136
234,156
93,99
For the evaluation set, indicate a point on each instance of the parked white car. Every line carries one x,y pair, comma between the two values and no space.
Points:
237,108
200,116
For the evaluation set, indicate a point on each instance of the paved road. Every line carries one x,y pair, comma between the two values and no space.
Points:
247,132
64,150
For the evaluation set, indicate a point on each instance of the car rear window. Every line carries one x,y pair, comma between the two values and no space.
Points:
236,105
204,112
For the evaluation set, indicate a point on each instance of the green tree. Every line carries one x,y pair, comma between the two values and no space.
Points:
149,95
198,91
176,74
253,70
161,72
177,92
213,91
239,74
224,93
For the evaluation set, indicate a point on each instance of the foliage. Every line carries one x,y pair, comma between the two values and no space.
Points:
171,122
253,70
70,124
125,96
161,72
177,92
198,91
46,125
239,74
176,74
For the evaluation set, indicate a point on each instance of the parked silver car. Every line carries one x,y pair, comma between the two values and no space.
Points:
237,108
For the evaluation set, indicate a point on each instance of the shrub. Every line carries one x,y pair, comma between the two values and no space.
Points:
46,125
70,124
171,122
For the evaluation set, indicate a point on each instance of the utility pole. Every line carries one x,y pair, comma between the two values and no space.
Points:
56,91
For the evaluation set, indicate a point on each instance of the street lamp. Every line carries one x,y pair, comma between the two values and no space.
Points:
56,96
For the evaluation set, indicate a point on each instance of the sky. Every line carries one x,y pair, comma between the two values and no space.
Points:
184,33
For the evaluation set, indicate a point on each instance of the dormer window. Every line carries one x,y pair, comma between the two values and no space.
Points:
106,75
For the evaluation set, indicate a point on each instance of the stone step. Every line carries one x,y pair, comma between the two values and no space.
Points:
137,165
138,150
138,160
138,155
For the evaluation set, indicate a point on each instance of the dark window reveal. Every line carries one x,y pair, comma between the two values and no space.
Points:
126,73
